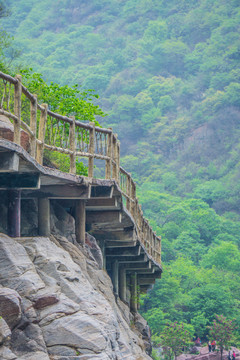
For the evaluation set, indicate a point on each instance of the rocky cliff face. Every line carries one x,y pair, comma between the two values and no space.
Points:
57,303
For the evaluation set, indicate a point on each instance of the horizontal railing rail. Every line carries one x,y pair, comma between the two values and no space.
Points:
62,134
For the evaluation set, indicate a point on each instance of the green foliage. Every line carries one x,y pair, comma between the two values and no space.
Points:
222,331
174,337
168,75
64,100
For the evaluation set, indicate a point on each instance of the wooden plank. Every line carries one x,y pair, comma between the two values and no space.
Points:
19,181
9,162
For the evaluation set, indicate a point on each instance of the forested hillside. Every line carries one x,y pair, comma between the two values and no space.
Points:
167,72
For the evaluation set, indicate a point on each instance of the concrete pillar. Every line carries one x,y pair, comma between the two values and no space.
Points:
115,267
80,221
14,213
123,284
103,249
134,293
44,228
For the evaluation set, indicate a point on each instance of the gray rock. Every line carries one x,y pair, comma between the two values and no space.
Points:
17,271
29,224
62,223
6,354
45,300
28,340
94,249
62,350
87,316
10,308
37,355
5,332
78,330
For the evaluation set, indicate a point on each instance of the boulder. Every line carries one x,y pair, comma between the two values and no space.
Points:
10,307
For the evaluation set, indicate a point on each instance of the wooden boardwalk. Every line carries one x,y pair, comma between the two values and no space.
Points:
107,208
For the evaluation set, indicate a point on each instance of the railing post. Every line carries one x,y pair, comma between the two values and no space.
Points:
151,241
159,251
33,125
133,197
41,134
145,233
72,146
154,247
118,160
91,150
148,241
17,110
109,154
114,168
128,192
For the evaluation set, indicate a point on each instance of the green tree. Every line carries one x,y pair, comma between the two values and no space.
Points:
222,331
174,337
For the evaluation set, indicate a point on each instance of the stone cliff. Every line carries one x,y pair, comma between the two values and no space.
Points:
57,303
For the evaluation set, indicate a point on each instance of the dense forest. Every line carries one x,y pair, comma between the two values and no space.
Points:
167,72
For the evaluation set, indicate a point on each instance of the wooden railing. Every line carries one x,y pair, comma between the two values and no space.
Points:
54,132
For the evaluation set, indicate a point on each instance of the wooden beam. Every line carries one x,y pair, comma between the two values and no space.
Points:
14,213
19,181
9,162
